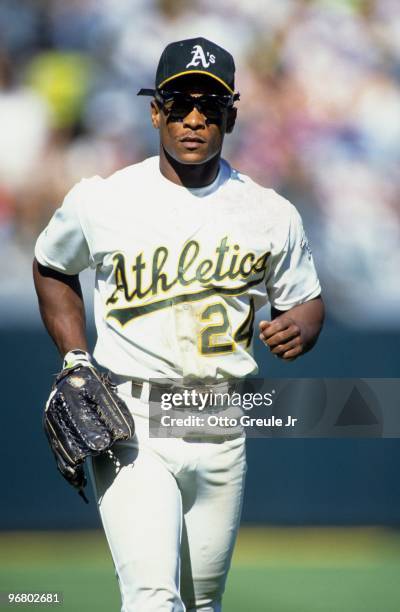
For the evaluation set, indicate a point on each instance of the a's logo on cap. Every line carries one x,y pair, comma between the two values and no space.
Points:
199,57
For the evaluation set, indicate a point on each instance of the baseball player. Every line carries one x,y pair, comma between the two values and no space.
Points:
186,249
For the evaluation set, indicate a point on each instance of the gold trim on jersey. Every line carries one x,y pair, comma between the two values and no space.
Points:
141,281
244,332
125,315
207,342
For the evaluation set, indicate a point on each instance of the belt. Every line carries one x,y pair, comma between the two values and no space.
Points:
141,389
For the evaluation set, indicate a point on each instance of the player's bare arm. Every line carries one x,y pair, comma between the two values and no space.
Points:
61,307
294,332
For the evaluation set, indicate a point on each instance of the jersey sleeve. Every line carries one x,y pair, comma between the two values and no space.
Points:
63,245
292,277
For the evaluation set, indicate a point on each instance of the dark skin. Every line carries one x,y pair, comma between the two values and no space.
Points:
192,163
294,332
190,151
61,307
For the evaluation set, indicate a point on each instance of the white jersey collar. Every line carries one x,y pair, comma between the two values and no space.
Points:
224,172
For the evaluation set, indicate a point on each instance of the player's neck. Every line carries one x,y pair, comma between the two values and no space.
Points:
188,175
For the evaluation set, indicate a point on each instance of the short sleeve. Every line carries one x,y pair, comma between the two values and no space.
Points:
62,245
292,278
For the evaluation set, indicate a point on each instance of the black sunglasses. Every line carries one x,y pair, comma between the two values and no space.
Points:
178,105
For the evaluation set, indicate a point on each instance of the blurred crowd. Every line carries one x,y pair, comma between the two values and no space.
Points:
319,120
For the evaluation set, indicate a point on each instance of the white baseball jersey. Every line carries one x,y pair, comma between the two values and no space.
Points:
180,272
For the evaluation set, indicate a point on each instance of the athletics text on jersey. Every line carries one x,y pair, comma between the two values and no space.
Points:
180,272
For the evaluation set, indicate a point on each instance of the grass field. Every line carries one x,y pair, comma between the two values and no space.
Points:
273,570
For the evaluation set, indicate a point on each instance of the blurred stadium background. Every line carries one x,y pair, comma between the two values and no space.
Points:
319,121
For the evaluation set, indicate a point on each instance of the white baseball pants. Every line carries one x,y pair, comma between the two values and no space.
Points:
170,509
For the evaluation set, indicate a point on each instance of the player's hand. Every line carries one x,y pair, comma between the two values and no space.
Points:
283,336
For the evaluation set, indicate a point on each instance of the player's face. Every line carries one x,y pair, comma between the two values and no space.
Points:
192,134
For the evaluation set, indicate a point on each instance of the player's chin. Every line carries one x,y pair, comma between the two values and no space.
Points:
196,156
194,152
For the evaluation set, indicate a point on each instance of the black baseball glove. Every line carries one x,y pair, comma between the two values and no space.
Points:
83,416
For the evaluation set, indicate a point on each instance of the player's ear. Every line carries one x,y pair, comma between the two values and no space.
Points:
155,114
231,119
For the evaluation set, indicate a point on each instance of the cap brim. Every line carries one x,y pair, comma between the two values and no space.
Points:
204,72
146,92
